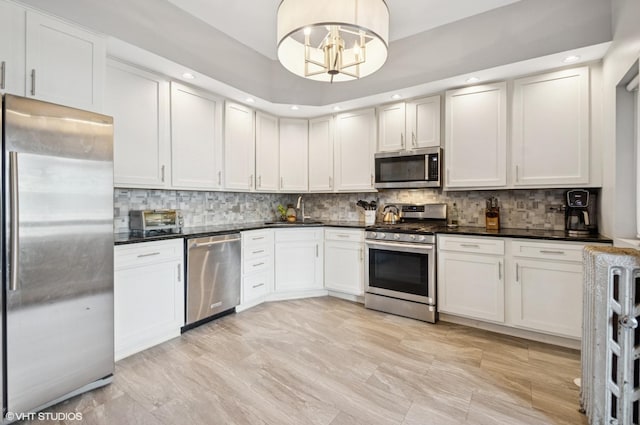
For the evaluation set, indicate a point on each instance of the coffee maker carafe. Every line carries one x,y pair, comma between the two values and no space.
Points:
580,212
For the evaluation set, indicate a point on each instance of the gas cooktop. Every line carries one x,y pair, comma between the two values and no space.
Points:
428,228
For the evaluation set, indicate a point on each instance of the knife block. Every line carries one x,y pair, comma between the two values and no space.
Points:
492,218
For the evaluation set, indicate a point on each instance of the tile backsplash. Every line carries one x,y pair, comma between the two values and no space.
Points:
518,208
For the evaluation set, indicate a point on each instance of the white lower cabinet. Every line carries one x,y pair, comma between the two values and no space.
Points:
344,260
471,277
533,285
257,266
148,294
298,260
545,292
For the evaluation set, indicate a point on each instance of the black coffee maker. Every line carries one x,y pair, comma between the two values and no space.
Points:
580,214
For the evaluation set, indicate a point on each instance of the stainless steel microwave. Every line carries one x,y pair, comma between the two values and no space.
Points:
409,169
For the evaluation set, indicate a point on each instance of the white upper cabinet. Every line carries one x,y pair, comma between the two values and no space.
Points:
423,123
391,127
12,48
196,139
321,155
550,136
64,64
476,136
353,150
239,147
294,154
267,153
411,125
139,104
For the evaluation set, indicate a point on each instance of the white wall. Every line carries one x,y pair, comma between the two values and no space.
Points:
617,217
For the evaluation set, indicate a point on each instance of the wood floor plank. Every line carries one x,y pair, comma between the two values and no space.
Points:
327,361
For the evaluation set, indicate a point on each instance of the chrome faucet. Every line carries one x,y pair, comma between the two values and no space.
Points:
300,207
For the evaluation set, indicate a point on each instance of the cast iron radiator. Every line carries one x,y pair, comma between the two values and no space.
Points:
610,390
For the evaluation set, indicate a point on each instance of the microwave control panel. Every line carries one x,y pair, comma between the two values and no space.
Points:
433,173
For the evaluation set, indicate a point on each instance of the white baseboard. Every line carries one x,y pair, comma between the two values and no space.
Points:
348,297
507,330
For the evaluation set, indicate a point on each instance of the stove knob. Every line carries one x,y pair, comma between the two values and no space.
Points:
382,236
374,234
413,237
396,236
421,238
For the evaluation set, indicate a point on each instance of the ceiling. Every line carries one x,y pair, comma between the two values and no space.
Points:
435,44
253,23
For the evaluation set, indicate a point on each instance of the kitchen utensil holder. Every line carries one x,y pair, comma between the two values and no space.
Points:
369,218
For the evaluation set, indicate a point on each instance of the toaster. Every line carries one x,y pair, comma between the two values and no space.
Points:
155,221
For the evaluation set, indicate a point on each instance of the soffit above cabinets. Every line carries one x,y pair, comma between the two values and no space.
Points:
253,23
431,41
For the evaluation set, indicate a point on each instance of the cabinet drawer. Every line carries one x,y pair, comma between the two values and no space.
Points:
254,286
256,238
257,265
347,235
299,234
139,254
554,251
488,245
252,253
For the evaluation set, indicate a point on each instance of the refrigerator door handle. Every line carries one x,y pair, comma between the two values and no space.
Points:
14,214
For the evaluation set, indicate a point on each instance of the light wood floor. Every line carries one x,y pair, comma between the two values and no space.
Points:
329,361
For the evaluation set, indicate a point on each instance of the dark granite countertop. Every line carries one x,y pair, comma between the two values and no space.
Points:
553,235
194,232
191,232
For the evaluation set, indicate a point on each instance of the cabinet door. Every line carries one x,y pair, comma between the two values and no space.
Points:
267,152
344,267
423,123
471,285
321,154
148,294
551,129
391,128
355,138
139,104
196,139
294,155
12,48
298,260
547,296
64,64
476,136
239,147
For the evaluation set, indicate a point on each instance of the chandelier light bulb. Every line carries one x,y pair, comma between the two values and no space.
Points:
336,24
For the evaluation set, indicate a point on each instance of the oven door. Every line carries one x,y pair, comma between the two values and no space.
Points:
401,270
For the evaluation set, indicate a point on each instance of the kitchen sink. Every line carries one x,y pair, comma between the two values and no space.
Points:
293,223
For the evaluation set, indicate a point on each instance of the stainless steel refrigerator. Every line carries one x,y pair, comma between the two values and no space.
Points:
57,252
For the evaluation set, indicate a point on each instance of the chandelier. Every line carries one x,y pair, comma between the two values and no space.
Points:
333,40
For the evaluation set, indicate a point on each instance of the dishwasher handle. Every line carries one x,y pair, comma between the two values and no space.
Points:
205,244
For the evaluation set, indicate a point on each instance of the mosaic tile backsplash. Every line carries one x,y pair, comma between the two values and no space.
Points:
526,209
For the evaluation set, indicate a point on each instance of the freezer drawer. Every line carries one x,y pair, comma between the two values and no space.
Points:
213,276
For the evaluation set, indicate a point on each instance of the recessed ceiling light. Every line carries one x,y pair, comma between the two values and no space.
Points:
396,96
571,59
472,80
250,100
294,108
188,76
337,108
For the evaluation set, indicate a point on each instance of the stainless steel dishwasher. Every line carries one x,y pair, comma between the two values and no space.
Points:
213,277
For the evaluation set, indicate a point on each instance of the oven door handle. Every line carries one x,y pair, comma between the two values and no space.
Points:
420,247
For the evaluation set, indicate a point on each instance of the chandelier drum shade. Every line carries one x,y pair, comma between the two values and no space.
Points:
333,40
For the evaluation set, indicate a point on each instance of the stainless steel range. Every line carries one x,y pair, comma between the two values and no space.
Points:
400,262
